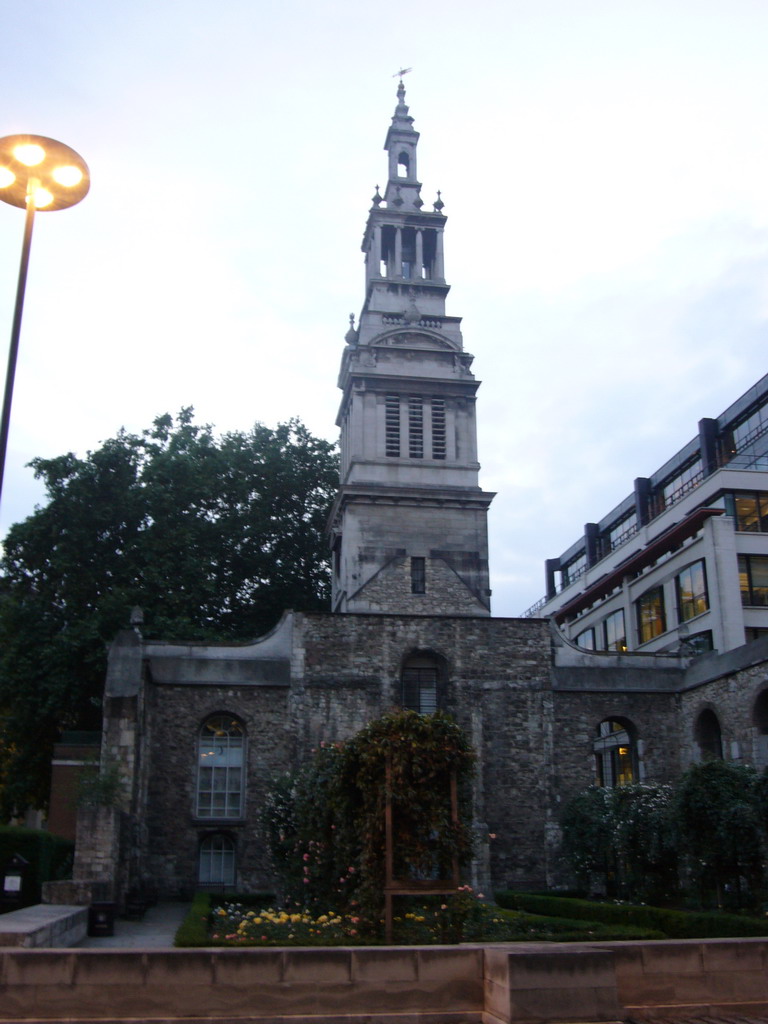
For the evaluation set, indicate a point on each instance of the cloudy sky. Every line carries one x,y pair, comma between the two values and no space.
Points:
604,165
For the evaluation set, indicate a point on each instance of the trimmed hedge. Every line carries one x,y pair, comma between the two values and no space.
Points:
193,930
672,924
50,859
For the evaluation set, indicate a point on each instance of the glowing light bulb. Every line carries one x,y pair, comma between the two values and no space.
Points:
7,177
67,176
29,154
42,198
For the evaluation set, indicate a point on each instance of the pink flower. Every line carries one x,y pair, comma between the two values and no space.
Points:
351,871
353,931
306,881
306,856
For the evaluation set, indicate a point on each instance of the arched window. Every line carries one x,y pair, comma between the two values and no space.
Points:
424,683
708,737
403,165
217,860
221,746
614,753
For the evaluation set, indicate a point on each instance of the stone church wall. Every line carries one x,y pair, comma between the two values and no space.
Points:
173,831
733,697
532,721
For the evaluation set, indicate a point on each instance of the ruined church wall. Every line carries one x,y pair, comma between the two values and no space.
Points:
732,697
498,689
173,831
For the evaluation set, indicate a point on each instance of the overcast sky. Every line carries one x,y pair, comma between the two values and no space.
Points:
604,167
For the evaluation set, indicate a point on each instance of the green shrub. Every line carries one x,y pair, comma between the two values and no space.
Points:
671,924
626,836
721,829
50,858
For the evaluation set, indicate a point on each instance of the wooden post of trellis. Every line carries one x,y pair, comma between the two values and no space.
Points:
412,886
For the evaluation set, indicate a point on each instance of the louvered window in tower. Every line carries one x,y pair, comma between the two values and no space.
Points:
438,428
392,426
420,679
415,427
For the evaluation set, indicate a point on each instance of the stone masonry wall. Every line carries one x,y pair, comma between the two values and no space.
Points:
732,698
498,690
533,730
445,592
173,831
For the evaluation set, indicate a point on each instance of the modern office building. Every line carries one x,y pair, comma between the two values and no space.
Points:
682,562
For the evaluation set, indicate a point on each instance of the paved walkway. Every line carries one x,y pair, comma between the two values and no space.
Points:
154,931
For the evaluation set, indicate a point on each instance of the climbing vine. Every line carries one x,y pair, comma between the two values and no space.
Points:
326,823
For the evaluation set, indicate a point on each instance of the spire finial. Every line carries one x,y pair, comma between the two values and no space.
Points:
401,88
438,204
351,336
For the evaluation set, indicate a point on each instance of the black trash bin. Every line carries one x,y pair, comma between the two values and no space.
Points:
101,919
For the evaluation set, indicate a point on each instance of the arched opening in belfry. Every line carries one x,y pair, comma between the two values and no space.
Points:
403,165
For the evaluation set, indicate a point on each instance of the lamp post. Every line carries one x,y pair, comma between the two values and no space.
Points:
36,173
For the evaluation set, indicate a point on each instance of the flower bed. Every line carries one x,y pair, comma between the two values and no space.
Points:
462,917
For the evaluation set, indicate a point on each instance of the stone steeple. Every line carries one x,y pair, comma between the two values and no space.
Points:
408,529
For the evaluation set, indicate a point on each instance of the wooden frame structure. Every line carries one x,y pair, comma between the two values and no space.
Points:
411,886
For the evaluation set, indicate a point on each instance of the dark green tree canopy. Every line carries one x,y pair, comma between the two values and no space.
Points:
213,537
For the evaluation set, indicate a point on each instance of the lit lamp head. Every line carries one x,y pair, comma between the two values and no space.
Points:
47,172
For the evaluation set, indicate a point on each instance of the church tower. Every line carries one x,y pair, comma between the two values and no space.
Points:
409,526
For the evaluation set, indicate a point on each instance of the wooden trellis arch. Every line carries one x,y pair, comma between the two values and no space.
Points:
412,886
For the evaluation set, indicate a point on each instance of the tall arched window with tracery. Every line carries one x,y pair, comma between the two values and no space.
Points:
615,753
220,761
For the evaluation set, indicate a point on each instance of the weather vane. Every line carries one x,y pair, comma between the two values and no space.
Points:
401,72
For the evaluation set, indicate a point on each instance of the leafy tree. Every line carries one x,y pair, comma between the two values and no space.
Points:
212,537
721,831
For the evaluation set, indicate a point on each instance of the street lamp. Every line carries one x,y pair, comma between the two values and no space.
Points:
36,173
